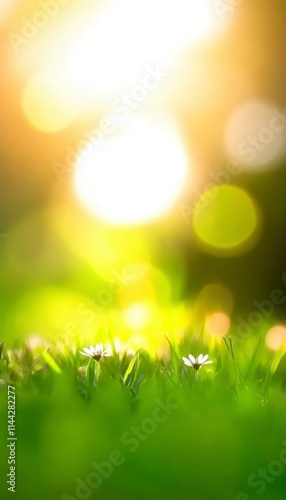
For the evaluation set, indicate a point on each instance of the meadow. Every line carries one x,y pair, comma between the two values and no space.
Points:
135,425
142,250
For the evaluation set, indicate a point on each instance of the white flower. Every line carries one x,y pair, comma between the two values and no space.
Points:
96,352
196,363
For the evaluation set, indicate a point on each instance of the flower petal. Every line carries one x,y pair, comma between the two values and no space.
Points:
85,354
187,361
204,358
199,358
192,358
207,362
106,352
88,351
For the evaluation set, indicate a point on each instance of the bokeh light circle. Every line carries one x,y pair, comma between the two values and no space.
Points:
225,220
137,316
47,105
255,135
217,324
134,176
276,337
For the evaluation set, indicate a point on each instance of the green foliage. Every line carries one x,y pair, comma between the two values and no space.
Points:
74,411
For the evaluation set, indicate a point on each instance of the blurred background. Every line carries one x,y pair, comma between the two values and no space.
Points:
142,191
142,167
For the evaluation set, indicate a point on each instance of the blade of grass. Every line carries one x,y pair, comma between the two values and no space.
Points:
237,373
90,372
252,364
130,368
175,357
271,370
51,362
113,348
1,348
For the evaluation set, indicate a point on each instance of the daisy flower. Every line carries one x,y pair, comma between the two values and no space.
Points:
96,352
196,363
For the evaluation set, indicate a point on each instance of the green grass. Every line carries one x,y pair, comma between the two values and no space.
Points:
152,428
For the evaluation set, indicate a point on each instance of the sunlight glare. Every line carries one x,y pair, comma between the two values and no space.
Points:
6,7
137,316
129,35
134,176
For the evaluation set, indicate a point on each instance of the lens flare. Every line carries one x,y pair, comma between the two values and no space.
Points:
135,176
128,35
137,316
144,321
